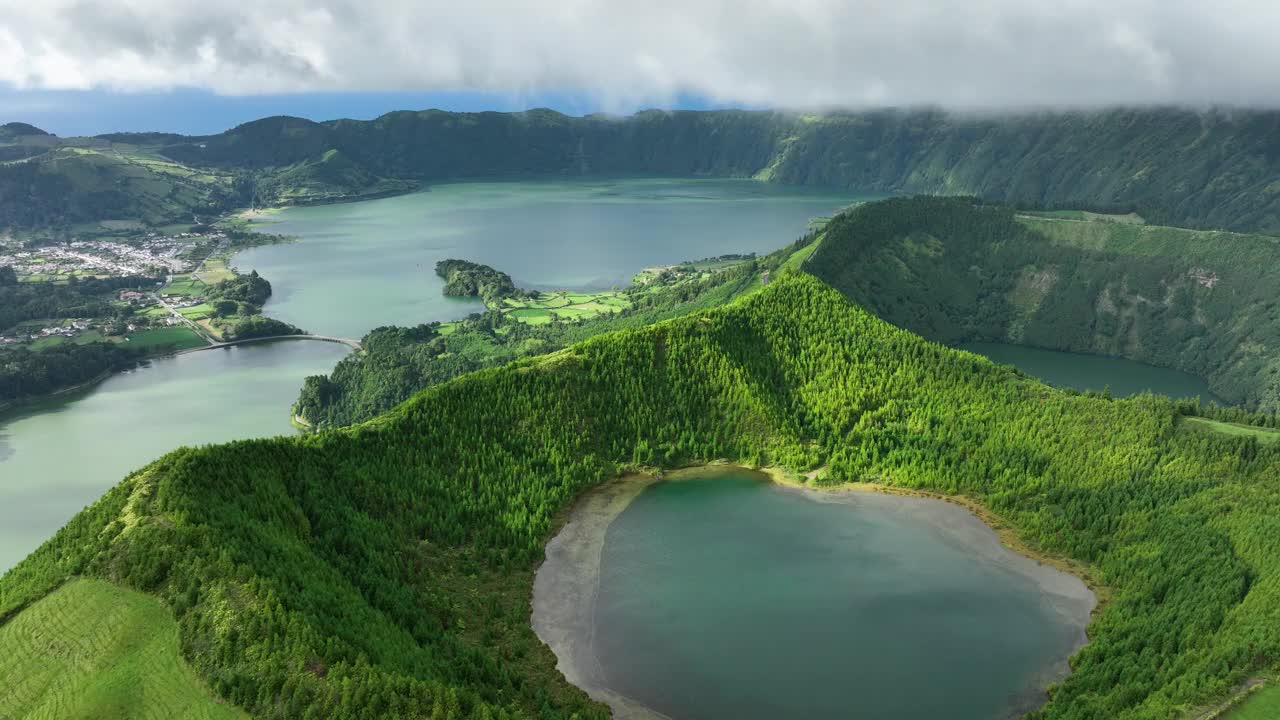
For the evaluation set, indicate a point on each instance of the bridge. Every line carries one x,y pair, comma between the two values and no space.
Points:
353,344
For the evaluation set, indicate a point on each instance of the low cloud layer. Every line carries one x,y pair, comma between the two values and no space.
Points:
781,53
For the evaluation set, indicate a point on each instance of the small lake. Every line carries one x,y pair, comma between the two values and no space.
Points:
60,455
732,597
361,265
1095,372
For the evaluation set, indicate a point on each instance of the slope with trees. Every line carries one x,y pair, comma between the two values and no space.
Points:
956,269
385,570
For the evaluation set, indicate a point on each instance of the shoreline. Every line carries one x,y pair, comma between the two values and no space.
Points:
18,404
566,583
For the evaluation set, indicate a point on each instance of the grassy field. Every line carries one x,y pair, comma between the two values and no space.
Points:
1264,435
178,338
798,257
1261,705
84,338
95,650
196,312
566,305
213,270
184,285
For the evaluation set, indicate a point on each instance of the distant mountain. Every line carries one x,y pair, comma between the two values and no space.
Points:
14,130
1213,168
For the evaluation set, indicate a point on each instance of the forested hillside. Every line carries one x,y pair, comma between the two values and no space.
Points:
1215,168
953,269
1182,167
385,570
395,362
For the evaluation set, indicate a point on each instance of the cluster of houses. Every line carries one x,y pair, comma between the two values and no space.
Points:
64,328
153,254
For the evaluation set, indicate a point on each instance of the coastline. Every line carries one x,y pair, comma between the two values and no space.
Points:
566,584
567,581
36,399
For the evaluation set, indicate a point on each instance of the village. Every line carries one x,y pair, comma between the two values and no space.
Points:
141,310
153,254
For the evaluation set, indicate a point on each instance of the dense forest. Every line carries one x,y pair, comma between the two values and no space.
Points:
31,373
956,269
384,570
463,278
250,291
395,362
1211,168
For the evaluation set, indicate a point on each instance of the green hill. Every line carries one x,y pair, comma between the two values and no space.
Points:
954,270
385,570
16,131
1214,168
65,185
95,650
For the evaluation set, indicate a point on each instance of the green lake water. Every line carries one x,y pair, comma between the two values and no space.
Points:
61,454
1095,372
361,265
736,598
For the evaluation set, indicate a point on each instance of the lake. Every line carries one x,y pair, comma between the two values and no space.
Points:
357,266
60,455
361,265
1095,372
723,595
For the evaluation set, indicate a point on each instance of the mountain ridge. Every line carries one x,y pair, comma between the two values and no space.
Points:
1195,168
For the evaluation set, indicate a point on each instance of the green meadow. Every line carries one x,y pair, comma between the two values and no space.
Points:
96,650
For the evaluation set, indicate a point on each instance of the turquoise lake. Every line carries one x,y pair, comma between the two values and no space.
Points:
732,597
362,265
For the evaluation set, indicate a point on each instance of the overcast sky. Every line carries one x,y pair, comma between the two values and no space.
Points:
624,54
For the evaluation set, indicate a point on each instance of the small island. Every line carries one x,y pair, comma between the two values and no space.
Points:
464,278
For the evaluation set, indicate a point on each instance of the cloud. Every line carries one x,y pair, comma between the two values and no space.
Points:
787,53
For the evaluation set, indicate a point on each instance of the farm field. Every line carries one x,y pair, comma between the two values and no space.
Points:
564,305
178,338
213,270
93,649
83,338
185,285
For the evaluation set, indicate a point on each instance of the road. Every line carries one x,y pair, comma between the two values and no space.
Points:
195,327
353,344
